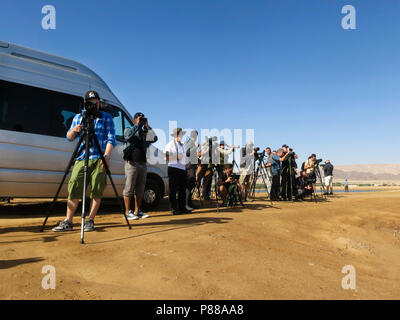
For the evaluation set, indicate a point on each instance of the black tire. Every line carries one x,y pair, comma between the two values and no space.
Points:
152,195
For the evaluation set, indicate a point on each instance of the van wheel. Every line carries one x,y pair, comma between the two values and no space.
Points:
152,195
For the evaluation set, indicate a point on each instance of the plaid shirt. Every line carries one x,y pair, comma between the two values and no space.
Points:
105,133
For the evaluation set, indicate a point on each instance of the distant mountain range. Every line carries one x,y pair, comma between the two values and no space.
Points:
368,172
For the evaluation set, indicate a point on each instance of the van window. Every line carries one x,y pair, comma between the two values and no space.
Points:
127,123
35,110
118,124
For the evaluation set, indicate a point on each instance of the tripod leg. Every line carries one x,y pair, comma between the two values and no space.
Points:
216,189
85,184
76,152
96,141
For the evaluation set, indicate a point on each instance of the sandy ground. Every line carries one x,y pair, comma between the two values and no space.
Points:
283,251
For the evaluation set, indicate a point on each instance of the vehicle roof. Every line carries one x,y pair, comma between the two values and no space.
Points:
39,69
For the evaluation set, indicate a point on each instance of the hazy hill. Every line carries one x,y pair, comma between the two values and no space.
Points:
369,172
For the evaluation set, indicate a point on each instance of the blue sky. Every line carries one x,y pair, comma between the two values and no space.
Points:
284,68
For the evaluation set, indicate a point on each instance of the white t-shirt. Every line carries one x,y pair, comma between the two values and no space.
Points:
172,147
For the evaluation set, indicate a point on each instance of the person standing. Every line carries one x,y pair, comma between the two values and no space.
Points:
309,167
105,133
175,154
247,162
137,141
268,153
192,161
288,174
328,174
276,167
346,186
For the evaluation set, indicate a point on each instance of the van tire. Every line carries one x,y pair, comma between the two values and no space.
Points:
152,195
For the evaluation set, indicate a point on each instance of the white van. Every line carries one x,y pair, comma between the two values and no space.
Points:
39,96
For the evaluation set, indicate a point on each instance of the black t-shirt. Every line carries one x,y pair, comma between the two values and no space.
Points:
328,170
290,160
139,154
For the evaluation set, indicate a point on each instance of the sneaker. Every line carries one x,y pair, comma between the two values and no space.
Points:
64,226
142,215
89,225
132,216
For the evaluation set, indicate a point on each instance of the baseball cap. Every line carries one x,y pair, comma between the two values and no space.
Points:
92,95
285,146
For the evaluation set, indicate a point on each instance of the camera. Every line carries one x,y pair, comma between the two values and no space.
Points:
317,162
234,176
142,121
257,154
91,109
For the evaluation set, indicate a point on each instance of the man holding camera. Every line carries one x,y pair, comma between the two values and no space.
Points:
175,154
276,167
309,167
289,166
247,167
137,141
228,184
208,154
105,133
192,160
303,186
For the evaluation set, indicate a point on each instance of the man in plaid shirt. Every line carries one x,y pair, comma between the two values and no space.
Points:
97,177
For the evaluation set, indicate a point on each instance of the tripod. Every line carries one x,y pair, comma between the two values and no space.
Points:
260,172
322,186
234,161
87,138
290,182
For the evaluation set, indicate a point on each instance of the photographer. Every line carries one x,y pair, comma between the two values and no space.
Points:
209,158
309,167
328,174
303,186
289,167
105,133
228,184
247,167
223,153
175,154
137,141
192,160
276,167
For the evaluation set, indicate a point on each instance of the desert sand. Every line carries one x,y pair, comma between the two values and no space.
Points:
280,251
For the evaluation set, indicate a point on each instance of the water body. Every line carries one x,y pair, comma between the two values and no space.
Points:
339,191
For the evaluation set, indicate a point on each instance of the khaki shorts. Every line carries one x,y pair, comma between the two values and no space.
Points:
97,178
136,176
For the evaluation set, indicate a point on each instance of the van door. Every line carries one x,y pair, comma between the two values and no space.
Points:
34,152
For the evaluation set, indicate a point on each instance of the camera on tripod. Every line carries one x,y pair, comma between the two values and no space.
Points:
317,162
257,154
91,109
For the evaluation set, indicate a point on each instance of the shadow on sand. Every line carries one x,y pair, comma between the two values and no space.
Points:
7,264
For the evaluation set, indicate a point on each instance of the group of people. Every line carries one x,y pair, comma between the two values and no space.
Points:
289,184
191,166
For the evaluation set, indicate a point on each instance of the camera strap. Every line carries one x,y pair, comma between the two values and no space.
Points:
177,151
